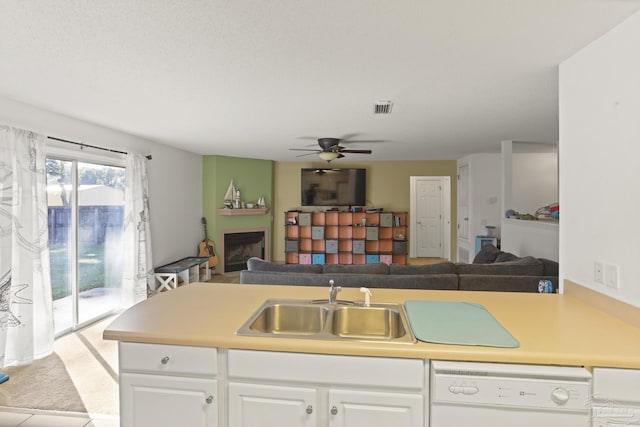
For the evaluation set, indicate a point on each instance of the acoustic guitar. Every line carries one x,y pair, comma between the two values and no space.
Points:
206,247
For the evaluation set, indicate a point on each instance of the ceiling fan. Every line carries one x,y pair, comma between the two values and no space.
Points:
330,149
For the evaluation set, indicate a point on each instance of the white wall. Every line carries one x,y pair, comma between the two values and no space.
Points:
600,161
484,186
534,181
175,176
485,203
529,182
530,238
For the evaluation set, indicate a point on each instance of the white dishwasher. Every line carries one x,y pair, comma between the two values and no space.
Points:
507,395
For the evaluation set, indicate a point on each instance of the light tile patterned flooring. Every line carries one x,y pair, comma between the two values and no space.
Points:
14,417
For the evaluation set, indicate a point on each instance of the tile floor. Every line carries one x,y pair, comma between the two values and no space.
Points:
13,417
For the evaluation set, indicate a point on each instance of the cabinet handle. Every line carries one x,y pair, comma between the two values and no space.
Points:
309,409
164,360
334,410
209,399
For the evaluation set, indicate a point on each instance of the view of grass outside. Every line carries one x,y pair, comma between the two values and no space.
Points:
86,230
92,271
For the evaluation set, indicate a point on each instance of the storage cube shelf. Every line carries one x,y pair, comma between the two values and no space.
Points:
334,237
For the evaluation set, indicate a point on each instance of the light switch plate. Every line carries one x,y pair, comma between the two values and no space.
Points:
611,275
598,272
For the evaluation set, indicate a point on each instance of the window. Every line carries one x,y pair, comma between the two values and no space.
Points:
86,214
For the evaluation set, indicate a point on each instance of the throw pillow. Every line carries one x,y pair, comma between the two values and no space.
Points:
486,255
506,257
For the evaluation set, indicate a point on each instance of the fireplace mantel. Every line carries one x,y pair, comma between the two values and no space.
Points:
254,211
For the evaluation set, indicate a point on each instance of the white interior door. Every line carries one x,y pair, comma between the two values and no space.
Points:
430,207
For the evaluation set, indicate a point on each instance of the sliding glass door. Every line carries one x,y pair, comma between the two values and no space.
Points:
86,216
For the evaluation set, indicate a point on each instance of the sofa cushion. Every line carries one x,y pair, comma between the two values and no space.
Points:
527,266
258,264
486,255
375,268
473,282
550,267
506,257
422,281
438,268
279,278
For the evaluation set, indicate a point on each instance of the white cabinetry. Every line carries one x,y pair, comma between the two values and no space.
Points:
165,385
374,409
270,405
280,389
616,397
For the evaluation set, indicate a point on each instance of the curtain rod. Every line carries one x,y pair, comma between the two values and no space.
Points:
82,145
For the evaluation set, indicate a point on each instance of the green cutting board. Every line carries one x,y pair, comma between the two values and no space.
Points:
457,322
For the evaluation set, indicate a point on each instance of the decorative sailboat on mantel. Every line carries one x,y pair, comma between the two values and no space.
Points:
230,195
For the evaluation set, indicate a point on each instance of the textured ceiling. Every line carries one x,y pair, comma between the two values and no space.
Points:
250,78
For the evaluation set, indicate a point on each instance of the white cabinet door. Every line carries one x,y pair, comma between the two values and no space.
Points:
158,400
253,405
350,408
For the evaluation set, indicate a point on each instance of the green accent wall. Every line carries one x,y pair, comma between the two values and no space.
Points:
253,177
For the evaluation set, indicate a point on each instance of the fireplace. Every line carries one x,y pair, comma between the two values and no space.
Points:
240,245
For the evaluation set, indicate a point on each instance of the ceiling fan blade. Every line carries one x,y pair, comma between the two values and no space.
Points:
304,149
348,136
356,151
340,156
307,154
362,141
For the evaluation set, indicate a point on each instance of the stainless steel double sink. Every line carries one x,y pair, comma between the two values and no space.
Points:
321,320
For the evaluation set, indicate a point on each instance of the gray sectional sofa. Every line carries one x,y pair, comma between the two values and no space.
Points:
517,275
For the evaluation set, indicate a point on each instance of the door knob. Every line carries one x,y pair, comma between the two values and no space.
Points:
164,360
209,399
334,410
309,409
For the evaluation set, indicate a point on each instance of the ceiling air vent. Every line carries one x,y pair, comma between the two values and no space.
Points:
382,107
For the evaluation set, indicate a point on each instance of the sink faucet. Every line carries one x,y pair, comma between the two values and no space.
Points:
333,291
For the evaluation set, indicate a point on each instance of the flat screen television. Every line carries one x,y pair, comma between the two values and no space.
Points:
333,187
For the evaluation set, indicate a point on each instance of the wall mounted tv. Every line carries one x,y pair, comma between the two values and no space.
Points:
333,187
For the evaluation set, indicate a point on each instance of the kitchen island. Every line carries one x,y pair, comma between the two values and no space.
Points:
181,362
552,329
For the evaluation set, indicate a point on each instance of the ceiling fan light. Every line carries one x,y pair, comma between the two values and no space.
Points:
328,155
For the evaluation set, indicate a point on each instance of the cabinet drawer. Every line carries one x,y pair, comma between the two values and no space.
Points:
170,359
331,247
386,220
372,233
317,232
327,369
304,218
399,247
304,259
291,246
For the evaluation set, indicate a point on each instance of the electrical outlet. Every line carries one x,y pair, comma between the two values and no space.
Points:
598,272
611,275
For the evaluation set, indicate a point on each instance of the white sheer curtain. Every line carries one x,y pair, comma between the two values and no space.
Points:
26,308
138,262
